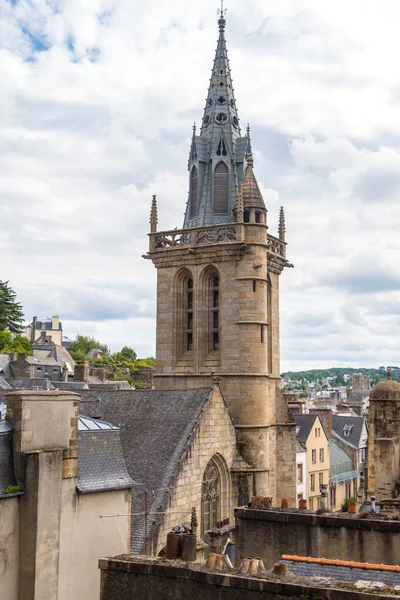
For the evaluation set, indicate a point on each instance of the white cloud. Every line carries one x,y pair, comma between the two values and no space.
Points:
98,99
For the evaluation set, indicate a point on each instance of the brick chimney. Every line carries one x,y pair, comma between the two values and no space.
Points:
81,371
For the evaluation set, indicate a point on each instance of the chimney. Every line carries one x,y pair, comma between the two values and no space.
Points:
81,371
64,374
33,329
43,456
55,322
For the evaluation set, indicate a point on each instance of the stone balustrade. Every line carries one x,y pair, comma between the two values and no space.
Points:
214,234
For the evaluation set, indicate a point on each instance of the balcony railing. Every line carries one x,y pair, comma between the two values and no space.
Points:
214,234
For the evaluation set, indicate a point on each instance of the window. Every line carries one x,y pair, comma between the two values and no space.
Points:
211,495
221,189
362,455
189,315
321,455
313,456
246,216
347,486
312,482
347,430
214,312
299,473
262,334
193,192
299,497
320,478
254,285
332,496
258,216
311,503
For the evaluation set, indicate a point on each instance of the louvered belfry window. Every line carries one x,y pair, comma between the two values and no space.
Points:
221,189
193,192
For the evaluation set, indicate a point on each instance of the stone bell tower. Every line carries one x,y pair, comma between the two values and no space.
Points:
218,289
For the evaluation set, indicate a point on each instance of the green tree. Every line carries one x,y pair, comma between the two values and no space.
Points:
83,344
11,313
14,343
126,354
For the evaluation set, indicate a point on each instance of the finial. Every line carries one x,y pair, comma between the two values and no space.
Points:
221,12
282,226
389,373
249,160
153,215
194,128
248,130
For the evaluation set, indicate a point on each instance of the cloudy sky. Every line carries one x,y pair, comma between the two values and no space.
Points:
98,98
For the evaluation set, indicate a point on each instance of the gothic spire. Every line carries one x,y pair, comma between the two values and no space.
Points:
282,226
220,112
217,152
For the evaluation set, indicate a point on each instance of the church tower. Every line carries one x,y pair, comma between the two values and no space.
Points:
218,290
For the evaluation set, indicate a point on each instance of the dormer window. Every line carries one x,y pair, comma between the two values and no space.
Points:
347,429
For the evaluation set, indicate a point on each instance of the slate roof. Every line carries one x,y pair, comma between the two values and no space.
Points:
5,368
101,460
41,383
70,385
357,396
342,570
40,360
305,423
156,428
3,384
353,424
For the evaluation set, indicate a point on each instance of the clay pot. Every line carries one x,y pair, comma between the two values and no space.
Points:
284,503
352,508
302,504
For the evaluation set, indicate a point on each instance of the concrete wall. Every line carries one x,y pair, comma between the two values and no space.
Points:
85,537
270,533
9,548
135,580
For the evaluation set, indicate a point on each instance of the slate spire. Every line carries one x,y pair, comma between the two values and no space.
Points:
217,157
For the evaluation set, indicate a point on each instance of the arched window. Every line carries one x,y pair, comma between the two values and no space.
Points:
182,330
193,192
214,311
188,341
221,189
246,216
211,497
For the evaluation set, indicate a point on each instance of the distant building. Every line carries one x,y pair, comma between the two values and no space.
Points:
301,472
311,435
51,326
360,382
342,477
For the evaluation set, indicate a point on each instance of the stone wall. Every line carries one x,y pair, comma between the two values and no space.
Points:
9,548
269,534
145,580
215,439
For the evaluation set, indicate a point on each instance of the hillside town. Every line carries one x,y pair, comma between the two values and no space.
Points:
204,472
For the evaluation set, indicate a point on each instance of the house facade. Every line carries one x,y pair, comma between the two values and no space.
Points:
311,435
